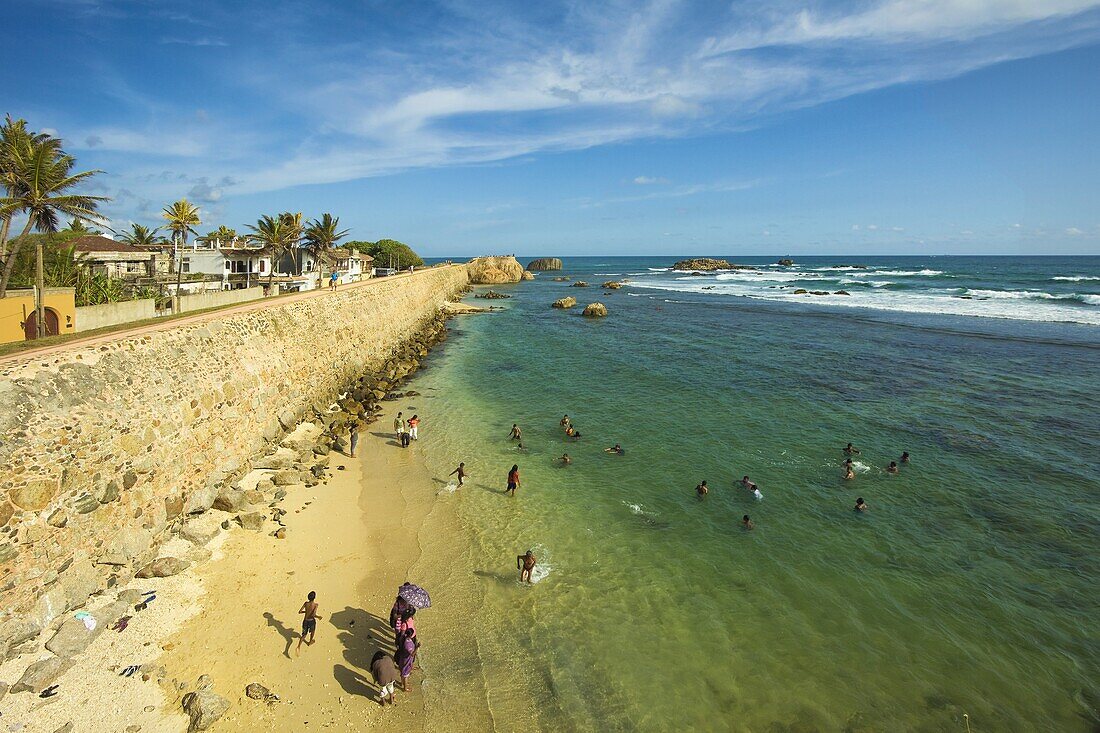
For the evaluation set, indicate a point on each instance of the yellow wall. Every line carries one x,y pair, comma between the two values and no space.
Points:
18,304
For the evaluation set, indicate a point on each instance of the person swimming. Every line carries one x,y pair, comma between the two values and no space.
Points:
849,473
617,449
565,421
905,457
565,459
746,522
851,450
892,468
861,506
702,489
570,430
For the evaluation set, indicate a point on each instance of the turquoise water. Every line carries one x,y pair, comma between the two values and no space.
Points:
969,586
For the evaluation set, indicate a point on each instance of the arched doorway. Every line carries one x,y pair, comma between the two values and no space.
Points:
30,327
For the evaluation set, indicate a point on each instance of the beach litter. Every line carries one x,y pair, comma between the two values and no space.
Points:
87,619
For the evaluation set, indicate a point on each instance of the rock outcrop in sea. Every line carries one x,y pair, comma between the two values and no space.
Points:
566,302
544,264
612,285
595,310
707,264
579,284
494,270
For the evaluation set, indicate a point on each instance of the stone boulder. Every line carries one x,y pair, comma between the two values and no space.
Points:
595,310
251,520
41,675
164,567
492,295
567,302
544,264
229,500
528,275
841,292
494,270
204,707
786,262
562,279
73,636
612,285
579,284
200,530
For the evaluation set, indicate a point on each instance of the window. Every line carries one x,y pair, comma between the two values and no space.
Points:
262,263
229,265
186,264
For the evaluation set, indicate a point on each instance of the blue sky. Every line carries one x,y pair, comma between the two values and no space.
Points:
746,127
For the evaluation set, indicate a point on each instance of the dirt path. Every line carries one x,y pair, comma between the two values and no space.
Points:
203,317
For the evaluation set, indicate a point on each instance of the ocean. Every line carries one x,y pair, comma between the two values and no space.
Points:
967,589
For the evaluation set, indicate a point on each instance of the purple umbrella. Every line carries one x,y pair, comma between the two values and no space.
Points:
414,595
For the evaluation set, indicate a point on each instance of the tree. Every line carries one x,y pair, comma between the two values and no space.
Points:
13,134
385,251
79,228
224,235
182,217
275,235
38,175
140,236
294,229
321,235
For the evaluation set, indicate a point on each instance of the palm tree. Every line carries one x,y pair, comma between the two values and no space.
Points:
38,174
13,134
140,236
294,228
276,235
321,235
182,217
222,234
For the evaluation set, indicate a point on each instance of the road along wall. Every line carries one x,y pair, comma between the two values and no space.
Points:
106,447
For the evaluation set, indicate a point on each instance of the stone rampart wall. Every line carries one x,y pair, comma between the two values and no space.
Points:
104,447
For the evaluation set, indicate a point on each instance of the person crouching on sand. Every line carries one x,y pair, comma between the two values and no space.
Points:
309,623
513,481
385,673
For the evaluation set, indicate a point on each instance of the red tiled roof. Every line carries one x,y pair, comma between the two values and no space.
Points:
96,243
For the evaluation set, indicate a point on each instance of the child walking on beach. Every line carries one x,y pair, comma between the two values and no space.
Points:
513,481
309,623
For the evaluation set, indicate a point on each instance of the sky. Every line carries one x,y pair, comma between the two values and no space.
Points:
756,127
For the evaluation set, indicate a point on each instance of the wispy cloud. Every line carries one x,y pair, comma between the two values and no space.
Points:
649,180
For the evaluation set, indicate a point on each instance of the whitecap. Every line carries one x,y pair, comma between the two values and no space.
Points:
1075,278
901,273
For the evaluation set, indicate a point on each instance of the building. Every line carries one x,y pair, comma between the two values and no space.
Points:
353,266
17,314
116,260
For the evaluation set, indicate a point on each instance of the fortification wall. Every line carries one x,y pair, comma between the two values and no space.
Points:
103,448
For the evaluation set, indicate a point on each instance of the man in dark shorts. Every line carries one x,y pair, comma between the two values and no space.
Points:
513,481
525,564
309,623
461,471
516,433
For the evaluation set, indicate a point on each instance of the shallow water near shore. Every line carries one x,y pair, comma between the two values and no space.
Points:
969,586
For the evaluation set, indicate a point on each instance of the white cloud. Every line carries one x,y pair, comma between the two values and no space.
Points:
649,180
872,227
1074,231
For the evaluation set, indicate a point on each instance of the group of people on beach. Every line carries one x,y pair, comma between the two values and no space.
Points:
406,431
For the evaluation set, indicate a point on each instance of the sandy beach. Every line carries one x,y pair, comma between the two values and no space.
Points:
234,615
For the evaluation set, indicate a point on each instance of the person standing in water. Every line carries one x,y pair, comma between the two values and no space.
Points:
309,622
461,471
861,506
892,468
849,470
746,522
702,489
513,481
565,459
565,422
905,457
525,564
516,433
414,423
